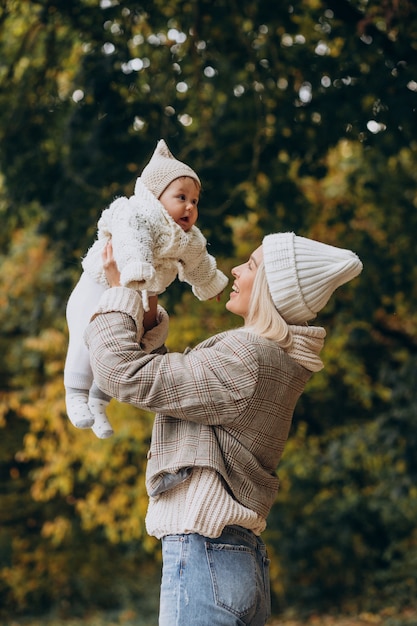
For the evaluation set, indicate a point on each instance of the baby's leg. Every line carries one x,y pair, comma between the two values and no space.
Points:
76,401
78,376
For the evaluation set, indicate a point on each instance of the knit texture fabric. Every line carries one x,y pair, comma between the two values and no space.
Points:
307,343
127,301
200,505
302,274
151,250
163,168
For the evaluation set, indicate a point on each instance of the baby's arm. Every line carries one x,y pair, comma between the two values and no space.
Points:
132,244
199,269
114,279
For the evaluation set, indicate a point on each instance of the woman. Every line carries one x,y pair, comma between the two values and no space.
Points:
223,414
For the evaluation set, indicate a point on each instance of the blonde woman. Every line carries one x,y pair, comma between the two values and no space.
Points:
223,414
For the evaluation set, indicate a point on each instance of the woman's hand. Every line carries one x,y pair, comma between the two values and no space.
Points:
218,297
110,266
113,278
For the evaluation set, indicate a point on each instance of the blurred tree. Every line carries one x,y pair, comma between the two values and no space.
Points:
72,507
344,526
239,89
298,116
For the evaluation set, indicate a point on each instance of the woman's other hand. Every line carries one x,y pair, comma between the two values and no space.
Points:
110,266
113,278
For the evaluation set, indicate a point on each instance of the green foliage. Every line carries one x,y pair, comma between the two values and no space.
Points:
298,116
346,516
72,507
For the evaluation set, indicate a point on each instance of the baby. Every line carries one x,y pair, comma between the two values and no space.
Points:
154,240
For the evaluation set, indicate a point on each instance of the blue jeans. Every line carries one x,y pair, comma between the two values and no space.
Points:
214,582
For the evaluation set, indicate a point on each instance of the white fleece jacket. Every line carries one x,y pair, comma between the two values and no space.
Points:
151,250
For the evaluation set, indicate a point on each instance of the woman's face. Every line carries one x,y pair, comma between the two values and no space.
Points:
244,276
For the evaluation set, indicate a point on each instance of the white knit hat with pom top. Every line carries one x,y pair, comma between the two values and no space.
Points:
302,274
163,168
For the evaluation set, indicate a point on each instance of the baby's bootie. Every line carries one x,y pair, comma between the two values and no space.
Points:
101,427
76,401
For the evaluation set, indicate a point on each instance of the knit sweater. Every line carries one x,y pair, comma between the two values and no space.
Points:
151,250
200,505
224,407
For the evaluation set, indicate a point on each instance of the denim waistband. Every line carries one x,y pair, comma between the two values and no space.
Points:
247,536
231,534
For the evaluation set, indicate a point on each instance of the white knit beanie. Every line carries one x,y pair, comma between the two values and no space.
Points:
302,274
163,168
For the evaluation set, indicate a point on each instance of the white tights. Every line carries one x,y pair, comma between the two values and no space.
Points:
86,404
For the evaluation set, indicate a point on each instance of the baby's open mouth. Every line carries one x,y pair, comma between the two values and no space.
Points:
184,221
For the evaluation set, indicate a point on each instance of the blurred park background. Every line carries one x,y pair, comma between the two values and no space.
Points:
298,115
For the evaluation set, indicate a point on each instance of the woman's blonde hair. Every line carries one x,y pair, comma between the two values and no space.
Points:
263,317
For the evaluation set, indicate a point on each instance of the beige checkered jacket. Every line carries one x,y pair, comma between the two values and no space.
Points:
227,404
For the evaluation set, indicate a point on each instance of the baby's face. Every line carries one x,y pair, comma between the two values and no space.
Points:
180,199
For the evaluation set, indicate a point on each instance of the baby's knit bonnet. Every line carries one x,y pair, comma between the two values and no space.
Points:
302,274
163,168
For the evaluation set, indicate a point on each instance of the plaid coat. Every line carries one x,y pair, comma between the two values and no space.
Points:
226,404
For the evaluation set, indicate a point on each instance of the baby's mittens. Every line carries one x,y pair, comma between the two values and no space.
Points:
156,337
76,401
